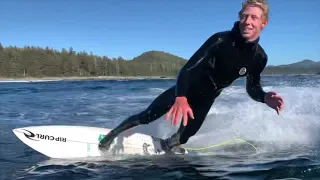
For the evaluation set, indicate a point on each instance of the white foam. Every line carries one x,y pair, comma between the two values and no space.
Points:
157,90
236,115
135,97
241,117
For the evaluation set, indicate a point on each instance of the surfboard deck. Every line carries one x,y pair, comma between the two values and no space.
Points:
61,141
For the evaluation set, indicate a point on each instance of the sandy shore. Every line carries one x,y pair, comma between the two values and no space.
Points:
31,79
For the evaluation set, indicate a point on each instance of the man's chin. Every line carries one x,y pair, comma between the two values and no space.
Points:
246,36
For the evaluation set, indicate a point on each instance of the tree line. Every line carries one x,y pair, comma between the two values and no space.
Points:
31,61
290,70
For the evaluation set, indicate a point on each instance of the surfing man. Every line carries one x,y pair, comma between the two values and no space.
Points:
222,59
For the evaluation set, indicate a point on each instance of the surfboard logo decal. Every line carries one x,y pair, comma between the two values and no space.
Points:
145,148
37,136
30,136
242,71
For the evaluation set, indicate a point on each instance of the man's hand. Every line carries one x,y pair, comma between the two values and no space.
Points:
180,107
273,100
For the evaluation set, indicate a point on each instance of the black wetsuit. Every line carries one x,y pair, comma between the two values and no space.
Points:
223,58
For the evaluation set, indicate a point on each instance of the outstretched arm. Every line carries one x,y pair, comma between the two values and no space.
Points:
253,86
194,65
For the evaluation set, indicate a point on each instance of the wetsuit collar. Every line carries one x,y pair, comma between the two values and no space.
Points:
239,40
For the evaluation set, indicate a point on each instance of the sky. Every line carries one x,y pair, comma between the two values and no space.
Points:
128,28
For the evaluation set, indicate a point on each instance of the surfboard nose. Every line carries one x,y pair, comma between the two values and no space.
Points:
16,131
19,130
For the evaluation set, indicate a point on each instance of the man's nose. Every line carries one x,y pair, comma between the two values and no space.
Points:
248,20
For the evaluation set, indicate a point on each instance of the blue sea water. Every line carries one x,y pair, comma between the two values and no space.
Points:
287,145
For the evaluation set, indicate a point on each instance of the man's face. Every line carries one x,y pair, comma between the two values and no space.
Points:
251,23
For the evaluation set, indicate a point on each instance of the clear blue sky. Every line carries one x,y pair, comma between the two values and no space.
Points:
128,28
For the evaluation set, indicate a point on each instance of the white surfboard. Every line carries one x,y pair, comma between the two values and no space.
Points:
58,141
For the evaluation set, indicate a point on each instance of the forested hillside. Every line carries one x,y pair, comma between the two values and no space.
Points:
47,62
42,62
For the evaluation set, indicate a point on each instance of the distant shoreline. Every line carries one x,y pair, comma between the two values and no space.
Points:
34,79
78,78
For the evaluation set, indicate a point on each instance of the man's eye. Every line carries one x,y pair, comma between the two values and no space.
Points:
243,16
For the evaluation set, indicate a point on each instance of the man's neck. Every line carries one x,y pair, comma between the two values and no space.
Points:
254,39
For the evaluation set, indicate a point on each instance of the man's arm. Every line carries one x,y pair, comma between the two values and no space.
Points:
195,65
253,86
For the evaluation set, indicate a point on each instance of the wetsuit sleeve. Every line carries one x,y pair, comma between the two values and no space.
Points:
253,86
194,65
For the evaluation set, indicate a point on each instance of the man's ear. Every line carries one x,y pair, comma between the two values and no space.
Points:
264,24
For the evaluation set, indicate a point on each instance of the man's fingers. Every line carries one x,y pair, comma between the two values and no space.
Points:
281,105
278,98
169,113
190,113
185,118
178,114
177,117
185,121
174,113
274,93
279,102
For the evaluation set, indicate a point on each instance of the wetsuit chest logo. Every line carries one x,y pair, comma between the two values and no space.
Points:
242,71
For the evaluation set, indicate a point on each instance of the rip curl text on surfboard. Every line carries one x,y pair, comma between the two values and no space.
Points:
35,136
51,138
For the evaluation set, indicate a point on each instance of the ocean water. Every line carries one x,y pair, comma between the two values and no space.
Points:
287,145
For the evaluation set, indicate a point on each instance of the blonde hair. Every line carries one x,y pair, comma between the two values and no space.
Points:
257,3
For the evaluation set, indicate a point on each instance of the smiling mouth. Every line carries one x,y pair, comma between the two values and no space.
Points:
245,30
